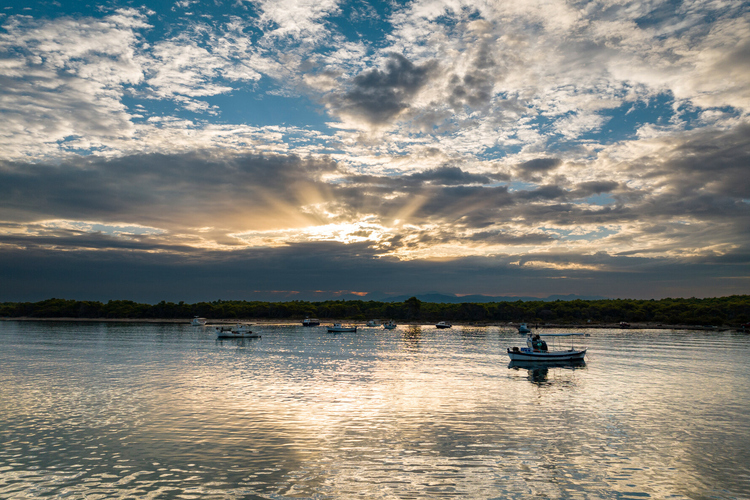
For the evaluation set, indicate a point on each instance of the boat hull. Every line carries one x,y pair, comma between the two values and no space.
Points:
342,330
526,354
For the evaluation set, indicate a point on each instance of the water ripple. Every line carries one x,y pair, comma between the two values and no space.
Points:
166,411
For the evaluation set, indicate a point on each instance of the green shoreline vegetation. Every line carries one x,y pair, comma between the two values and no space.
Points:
718,311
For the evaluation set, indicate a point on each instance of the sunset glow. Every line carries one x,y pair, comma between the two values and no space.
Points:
516,148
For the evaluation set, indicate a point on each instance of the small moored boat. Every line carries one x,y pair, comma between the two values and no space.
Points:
443,324
339,328
373,322
310,322
237,332
537,350
390,325
198,321
523,329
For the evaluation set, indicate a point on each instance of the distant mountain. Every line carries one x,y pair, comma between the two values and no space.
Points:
455,299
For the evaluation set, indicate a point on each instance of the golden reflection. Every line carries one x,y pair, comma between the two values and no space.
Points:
305,415
411,336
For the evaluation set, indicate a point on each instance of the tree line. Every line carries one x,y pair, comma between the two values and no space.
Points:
729,310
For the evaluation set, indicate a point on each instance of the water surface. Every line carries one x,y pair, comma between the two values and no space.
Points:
119,410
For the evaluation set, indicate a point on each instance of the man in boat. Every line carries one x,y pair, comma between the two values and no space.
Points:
538,344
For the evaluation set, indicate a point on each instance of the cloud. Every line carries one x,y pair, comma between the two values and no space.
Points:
378,96
447,176
543,192
692,193
160,190
64,78
37,274
296,18
530,169
452,130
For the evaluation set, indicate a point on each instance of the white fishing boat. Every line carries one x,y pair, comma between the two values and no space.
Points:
390,325
310,322
236,332
373,323
443,324
537,349
198,321
523,329
339,328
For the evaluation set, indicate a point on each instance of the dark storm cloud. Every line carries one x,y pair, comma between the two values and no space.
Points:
706,176
71,239
378,96
503,238
441,176
165,191
448,176
716,162
469,206
594,187
539,165
149,187
39,273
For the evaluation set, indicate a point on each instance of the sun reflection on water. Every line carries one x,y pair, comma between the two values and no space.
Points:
146,410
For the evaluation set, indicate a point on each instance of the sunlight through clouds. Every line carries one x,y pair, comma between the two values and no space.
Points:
589,138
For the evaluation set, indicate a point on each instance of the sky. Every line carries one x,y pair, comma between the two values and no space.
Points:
309,150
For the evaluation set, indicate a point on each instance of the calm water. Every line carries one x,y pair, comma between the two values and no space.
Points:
115,410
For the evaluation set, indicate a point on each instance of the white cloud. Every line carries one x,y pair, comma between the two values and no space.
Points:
296,18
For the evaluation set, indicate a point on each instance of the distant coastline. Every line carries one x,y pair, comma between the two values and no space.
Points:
513,326
708,314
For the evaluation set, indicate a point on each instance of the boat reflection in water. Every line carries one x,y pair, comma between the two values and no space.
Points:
539,372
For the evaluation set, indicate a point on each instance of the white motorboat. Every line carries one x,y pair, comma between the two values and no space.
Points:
390,325
537,350
443,324
373,322
523,329
198,321
339,328
310,322
236,332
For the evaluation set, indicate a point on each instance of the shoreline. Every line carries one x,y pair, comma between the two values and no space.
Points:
267,321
